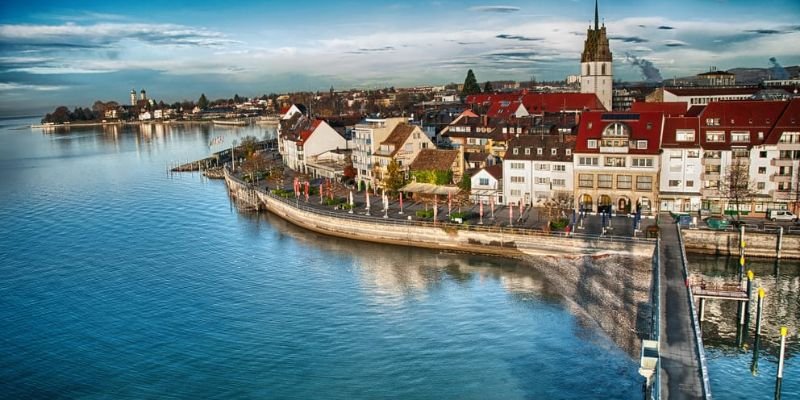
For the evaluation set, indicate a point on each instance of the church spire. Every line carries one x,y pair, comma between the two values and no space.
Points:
596,16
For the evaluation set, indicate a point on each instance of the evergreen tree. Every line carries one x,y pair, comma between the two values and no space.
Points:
470,85
487,88
202,102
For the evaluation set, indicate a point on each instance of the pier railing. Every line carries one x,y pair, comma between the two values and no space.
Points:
701,354
655,322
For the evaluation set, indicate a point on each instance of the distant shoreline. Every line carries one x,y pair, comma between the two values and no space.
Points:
89,124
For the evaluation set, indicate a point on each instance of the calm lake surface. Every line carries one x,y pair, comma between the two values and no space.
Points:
118,280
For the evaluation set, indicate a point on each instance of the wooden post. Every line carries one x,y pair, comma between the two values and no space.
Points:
750,277
780,242
741,250
702,308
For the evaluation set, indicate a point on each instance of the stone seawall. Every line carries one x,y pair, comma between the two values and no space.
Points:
505,242
757,244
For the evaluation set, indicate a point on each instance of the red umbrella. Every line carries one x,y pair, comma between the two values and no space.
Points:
401,203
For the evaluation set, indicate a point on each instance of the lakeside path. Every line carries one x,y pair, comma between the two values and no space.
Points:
533,218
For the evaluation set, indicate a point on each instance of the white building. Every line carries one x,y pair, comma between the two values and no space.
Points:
367,137
538,168
487,183
310,141
681,165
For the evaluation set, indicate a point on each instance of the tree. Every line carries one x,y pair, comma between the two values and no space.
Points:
202,102
736,184
249,144
393,180
349,173
470,85
487,88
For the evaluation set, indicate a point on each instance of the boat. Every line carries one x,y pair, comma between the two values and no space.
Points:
231,122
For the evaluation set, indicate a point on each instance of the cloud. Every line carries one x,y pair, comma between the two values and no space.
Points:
495,9
666,27
105,34
764,31
12,86
372,50
628,39
517,37
675,43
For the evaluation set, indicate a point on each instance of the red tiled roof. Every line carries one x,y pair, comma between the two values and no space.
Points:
671,127
643,126
306,133
756,117
489,98
669,108
694,111
537,103
788,121
398,137
434,160
503,109
495,171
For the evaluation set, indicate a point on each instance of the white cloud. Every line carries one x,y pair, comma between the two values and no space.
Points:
495,9
11,86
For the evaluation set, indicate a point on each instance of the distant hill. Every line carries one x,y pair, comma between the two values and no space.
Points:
745,76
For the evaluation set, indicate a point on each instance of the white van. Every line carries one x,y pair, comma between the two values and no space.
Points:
781,215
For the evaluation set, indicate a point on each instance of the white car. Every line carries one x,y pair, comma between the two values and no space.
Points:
781,215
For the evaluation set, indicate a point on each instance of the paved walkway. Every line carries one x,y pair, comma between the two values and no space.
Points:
680,367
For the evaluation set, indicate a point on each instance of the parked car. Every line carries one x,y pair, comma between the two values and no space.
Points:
781,215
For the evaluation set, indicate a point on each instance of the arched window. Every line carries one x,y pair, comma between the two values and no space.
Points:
617,129
604,69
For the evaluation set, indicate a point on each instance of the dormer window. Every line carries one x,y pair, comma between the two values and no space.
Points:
527,151
539,151
516,150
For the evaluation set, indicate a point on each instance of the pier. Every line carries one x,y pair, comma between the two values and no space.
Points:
684,374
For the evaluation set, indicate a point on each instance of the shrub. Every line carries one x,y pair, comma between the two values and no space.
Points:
425,213
559,224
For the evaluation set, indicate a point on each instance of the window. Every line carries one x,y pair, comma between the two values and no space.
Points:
591,143
516,151
517,179
644,183
539,151
675,154
605,181
711,184
642,162
542,167
553,152
684,135
760,185
713,169
641,144
674,183
559,167
762,170
712,154
740,153
617,129
517,165
790,137
693,153
762,154
515,192
615,162
483,181
740,137
569,152
712,121
585,180
542,181
784,186
587,161
715,137
527,151
689,184
624,181
559,182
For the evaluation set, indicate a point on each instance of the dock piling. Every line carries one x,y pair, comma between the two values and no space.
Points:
779,378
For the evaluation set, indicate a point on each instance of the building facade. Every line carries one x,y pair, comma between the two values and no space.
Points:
596,73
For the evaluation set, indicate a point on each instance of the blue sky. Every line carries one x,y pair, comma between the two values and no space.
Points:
73,53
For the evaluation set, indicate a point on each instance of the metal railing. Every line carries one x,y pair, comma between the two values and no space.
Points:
699,350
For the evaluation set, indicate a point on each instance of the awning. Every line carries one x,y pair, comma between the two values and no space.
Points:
429,188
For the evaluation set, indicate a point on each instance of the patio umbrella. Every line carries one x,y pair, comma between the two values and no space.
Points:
307,190
352,203
401,203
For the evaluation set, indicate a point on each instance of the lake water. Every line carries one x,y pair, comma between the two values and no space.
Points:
118,280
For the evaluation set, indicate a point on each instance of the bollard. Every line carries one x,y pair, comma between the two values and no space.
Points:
757,341
780,364
702,308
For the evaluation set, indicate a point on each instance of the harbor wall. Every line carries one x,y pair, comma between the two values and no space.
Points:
726,243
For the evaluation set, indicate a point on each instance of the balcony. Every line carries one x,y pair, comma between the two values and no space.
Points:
782,162
780,178
712,161
614,149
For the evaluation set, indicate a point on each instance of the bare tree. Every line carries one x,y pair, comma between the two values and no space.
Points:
736,184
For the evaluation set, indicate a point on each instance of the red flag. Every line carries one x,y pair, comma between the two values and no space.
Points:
401,201
481,209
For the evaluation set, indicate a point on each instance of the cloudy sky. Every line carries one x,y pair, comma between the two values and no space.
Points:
73,53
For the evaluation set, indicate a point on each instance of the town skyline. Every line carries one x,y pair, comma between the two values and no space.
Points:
51,54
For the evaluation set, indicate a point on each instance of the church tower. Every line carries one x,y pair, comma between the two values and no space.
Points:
133,97
596,76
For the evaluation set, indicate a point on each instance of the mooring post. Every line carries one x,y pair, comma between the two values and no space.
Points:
750,277
778,380
702,308
739,323
780,242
